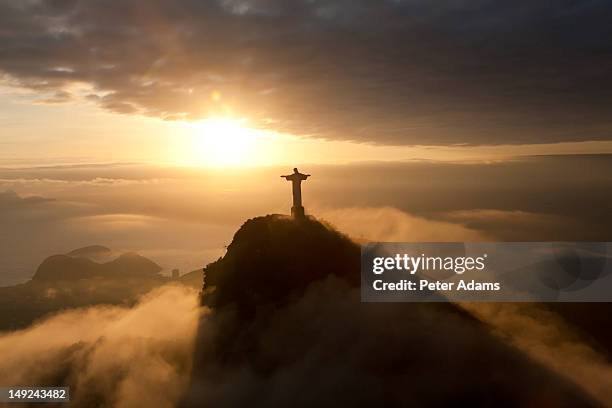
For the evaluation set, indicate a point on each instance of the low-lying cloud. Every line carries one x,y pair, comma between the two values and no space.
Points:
386,224
348,353
548,339
110,356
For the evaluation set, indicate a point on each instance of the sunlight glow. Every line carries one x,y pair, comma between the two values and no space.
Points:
225,142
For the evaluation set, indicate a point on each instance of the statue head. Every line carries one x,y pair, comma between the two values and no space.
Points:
295,170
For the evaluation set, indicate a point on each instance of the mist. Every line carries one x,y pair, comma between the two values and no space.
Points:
109,356
553,342
392,225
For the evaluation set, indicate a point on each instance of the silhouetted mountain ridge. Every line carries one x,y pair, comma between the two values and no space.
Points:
65,267
93,252
74,280
287,328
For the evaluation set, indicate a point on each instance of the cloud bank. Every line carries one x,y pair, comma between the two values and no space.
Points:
386,224
109,356
391,72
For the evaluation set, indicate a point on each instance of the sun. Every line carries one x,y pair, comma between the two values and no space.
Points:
223,142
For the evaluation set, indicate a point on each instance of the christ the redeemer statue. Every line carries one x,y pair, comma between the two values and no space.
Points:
296,178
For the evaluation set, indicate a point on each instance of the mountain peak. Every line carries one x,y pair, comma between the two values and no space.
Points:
286,315
93,252
274,256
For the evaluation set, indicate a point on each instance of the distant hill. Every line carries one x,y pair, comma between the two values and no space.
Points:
65,267
74,280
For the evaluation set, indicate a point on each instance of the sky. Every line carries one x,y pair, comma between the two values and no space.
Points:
302,81
160,129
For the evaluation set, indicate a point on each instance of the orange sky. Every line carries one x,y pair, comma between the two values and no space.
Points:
37,133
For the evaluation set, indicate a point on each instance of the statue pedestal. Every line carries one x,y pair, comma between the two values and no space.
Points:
297,211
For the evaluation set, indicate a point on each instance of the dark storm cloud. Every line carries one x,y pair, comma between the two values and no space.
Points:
398,72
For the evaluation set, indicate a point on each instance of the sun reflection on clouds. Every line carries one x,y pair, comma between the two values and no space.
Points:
226,141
